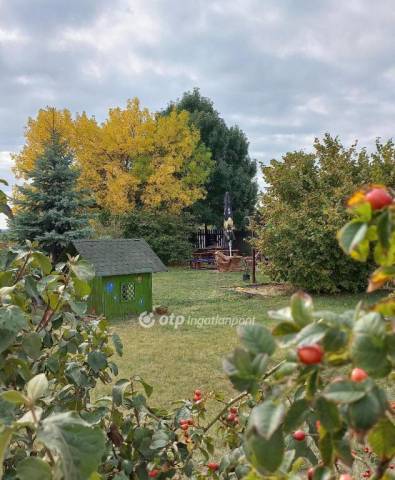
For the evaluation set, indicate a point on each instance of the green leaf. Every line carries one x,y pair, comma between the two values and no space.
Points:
148,389
31,287
118,391
368,348
31,344
79,446
302,308
344,392
257,339
351,235
342,447
334,340
5,438
116,340
370,355
364,413
159,440
382,439
285,328
384,228
42,261
266,418
83,270
328,414
243,371
33,468
12,321
79,308
7,412
13,396
312,333
390,346
265,455
97,361
81,287
6,279
37,387
325,445
296,415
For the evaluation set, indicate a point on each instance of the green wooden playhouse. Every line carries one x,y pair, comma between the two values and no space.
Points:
123,282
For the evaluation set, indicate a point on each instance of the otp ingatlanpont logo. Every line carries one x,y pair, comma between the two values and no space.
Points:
146,320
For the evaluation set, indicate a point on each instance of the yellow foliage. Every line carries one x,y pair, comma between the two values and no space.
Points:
134,158
37,133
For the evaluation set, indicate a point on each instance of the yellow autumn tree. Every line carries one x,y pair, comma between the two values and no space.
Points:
133,159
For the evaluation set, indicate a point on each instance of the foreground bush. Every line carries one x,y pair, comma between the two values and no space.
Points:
310,403
303,207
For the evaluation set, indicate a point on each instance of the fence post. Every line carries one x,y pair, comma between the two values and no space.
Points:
253,267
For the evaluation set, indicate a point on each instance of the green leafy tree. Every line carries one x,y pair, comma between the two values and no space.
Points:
50,209
301,210
383,163
233,171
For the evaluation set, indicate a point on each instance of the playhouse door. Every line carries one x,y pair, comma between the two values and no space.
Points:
111,297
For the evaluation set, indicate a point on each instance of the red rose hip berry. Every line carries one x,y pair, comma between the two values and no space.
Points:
153,473
310,354
213,466
378,198
358,375
231,417
299,435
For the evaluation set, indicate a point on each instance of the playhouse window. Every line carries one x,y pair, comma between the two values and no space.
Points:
127,292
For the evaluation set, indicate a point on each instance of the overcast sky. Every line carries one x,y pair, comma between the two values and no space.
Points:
284,70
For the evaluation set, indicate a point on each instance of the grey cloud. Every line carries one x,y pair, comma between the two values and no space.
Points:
284,71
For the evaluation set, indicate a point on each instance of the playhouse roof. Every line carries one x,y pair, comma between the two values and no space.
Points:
120,256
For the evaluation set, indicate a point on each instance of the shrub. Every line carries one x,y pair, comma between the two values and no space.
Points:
168,234
303,207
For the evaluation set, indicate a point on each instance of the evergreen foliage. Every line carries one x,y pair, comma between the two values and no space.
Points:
233,171
50,209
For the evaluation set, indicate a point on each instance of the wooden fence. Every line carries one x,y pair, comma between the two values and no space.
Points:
209,238
214,237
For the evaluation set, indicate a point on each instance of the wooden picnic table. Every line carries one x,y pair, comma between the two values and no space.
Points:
205,257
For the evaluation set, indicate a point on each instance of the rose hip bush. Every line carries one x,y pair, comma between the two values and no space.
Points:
312,399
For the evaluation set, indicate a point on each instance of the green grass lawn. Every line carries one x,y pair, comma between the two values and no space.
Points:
176,361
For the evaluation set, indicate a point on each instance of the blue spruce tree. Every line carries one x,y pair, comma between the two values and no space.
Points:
50,208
